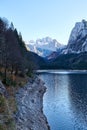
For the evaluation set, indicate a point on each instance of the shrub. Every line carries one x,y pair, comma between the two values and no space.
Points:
2,103
9,82
2,127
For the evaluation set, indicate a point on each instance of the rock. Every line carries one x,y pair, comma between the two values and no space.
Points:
78,38
30,107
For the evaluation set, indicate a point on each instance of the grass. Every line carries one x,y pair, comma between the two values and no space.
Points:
7,108
2,127
8,105
10,124
12,79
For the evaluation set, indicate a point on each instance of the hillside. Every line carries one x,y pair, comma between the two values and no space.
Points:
69,61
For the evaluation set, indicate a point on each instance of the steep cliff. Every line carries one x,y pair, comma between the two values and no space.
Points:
78,38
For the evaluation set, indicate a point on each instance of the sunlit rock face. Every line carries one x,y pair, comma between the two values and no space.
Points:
78,38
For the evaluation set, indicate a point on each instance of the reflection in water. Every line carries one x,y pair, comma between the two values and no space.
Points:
78,99
65,103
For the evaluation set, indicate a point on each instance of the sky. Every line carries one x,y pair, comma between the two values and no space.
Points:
40,18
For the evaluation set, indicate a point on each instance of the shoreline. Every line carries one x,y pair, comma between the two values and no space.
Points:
29,99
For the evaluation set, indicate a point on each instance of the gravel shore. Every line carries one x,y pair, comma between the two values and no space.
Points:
29,99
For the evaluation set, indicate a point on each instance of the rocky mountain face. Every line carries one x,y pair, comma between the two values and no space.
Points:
55,54
78,38
44,47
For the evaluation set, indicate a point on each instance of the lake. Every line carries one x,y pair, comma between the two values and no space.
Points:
65,101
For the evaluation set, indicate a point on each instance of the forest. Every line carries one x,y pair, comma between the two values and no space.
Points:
15,59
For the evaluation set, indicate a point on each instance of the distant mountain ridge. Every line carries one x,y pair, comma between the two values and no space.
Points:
44,47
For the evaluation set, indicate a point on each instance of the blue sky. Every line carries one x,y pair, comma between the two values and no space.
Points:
41,18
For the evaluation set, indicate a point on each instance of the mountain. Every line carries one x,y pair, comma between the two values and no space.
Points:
74,55
71,56
44,47
69,61
78,38
55,54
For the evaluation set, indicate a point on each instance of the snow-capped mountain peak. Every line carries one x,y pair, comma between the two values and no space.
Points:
44,46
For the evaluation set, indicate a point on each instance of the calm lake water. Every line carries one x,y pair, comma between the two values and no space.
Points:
65,101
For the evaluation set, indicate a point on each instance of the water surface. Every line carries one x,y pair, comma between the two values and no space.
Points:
65,101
